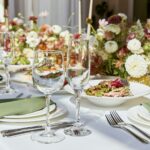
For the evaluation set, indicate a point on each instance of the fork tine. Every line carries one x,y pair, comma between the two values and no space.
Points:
110,120
115,117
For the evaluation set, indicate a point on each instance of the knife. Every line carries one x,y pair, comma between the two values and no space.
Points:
19,131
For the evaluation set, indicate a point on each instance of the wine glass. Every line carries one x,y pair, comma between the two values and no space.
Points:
48,77
78,74
6,56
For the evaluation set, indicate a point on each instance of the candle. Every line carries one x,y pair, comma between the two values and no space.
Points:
89,18
79,15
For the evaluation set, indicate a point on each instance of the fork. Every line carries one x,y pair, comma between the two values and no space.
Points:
119,121
112,123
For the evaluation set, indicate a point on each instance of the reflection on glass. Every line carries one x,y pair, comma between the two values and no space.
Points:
78,73
48,77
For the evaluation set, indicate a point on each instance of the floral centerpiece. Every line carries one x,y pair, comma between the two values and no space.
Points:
124,49
28,38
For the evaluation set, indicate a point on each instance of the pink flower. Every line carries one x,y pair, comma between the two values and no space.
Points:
147,33
131,36
103,22
122,52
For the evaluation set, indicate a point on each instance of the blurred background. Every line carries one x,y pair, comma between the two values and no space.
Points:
65,12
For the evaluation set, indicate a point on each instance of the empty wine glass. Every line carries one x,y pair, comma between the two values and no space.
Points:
48,77
78,74
6,56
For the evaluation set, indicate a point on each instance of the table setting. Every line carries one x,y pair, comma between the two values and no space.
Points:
63,90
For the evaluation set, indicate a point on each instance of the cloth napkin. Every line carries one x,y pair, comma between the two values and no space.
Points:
147,106
21,106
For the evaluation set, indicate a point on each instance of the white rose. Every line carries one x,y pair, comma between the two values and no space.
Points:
113,28
123,16
111,46
56,29
100,33
66,36
136,66
134,46
32,39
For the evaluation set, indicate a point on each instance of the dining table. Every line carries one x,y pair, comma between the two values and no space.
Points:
103,136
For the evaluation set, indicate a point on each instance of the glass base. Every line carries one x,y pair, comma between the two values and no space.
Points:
47,138
7,91
77,131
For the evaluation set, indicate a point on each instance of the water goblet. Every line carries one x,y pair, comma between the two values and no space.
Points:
78,74
48,77
6,57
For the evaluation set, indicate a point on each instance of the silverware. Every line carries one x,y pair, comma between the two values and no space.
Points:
112,122
19,95
119,121
19,131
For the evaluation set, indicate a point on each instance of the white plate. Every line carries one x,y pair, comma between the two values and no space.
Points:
137,89
132,114
40,117
144,113
34,114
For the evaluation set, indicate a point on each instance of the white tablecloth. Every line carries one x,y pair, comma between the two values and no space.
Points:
103,136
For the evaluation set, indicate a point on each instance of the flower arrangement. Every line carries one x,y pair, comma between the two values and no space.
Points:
124,49
121,50
32,37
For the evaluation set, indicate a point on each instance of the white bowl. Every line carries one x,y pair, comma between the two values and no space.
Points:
137,89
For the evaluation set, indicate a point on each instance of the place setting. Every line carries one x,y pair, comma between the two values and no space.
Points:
84,78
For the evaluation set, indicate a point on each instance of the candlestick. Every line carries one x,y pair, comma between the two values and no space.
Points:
80,19
89,18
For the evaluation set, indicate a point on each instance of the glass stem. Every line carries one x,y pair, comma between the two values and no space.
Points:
48,101
78,92
7,77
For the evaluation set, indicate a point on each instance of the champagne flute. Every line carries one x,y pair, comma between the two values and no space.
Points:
6,56
78,74
48,77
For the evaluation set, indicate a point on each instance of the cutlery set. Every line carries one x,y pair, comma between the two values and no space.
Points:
116,121
113,119
20,131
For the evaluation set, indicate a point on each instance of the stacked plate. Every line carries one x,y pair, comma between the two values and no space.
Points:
139,114
38,116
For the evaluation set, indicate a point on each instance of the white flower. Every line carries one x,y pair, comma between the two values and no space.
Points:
113,28
103,23
18,21
134,46
100,33
19,32
123,16
136,66
32,39
28,52
111,46
56,29
66,36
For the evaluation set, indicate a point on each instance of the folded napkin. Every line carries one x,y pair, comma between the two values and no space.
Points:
147,106
21,106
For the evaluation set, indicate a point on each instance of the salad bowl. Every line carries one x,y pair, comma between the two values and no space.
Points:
136,89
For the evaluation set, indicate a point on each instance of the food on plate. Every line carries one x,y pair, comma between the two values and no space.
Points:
110,88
